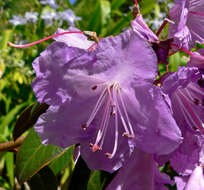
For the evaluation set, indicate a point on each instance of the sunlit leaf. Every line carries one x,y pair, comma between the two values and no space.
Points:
33,156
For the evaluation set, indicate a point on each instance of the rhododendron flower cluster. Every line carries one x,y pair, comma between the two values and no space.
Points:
104,96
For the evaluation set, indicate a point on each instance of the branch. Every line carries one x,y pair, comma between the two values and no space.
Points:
11,145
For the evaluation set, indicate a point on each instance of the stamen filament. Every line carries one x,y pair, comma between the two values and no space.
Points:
103,122
97,107
196,13
126,114
44,39
195,119
121,115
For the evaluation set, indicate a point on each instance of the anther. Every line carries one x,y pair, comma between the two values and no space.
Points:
131,136
94,87
196,101
84,127
125,134
108,155
112,113
95,148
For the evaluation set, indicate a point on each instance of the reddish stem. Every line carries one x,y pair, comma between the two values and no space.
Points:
136,3
161,27
182,49
42,40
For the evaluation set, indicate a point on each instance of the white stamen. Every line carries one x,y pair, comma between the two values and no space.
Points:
97,107
126,114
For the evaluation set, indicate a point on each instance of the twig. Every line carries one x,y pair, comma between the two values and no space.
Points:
11,145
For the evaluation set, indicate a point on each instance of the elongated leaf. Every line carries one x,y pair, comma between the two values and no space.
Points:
116,4
100,16
6,36
28,118
10,167
6,120
64,160
95,181
33,156
44,180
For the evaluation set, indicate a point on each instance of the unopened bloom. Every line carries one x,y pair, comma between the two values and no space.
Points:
189,23
105,100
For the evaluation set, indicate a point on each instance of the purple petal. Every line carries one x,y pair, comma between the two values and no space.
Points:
196,60
196,180
153,113
137,174
74,40
141,28
180,79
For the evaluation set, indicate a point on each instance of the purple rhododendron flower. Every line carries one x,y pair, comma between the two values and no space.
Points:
140,173
189,23
186,97
104,98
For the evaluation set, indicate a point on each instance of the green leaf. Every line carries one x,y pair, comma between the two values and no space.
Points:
64,160
33,156
95,181
116,4
6,36
147,6
44,180
28,118
6,120
177,60
100,16
9,159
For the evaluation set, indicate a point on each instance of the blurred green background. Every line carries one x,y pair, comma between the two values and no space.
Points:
35,20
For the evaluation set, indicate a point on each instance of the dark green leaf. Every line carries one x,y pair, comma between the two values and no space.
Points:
28,118
44,180
80,176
